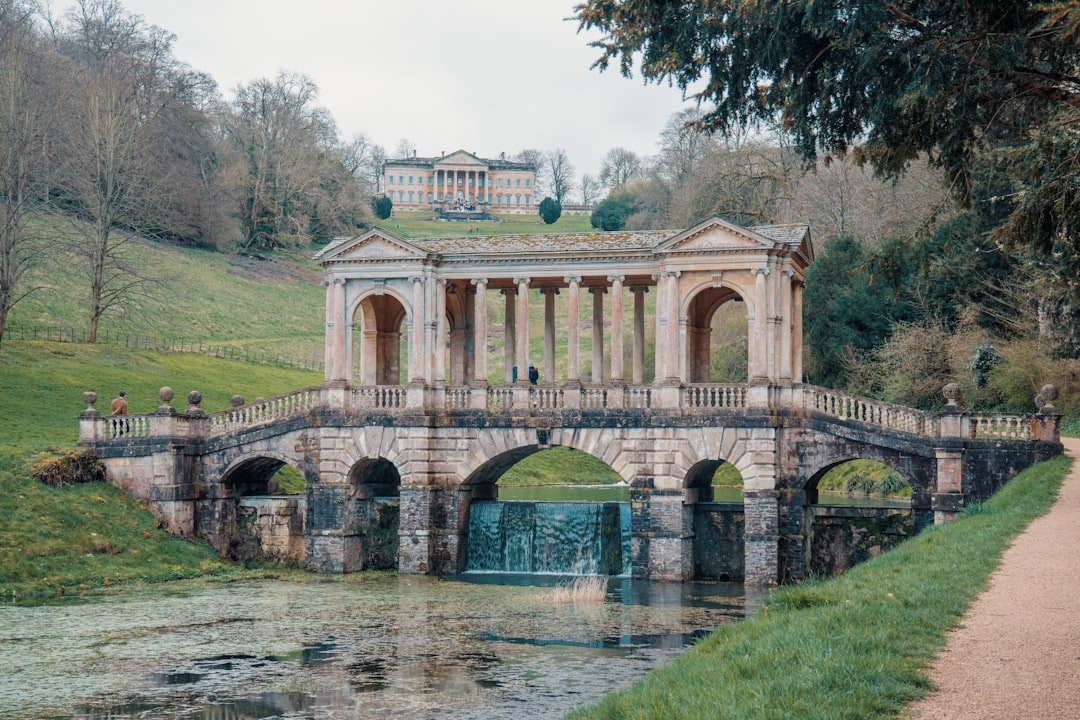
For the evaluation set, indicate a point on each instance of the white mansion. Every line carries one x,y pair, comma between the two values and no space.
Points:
460,180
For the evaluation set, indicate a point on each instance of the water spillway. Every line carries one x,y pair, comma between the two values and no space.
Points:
564,538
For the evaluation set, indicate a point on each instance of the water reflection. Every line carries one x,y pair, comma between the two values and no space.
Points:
353,646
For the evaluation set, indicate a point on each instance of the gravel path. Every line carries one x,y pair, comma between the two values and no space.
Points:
1017,653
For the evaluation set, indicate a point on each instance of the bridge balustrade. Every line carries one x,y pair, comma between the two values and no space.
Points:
548,398
127,426
638,397
853,407
378,397
594,397
1002,426
457,397
500,398
706,397
263,411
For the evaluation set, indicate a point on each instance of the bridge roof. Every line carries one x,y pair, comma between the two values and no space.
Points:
792,238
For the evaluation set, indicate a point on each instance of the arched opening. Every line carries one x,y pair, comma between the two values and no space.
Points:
854,510
713,489
717,337
373,513
557,511
262,516
380,346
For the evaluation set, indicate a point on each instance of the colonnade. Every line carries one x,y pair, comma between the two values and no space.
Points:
437,293
452,179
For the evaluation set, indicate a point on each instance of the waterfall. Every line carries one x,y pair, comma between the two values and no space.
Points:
565,538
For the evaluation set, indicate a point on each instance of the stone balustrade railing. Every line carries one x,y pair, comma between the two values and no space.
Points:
377,397
875,412
1002,426
553,399
710,397
263,411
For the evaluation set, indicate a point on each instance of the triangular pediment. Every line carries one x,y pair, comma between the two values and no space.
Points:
715,234
375,244
460,158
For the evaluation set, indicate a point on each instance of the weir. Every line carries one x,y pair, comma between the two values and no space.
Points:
557,538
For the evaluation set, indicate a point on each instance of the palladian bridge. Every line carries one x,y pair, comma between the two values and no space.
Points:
427,401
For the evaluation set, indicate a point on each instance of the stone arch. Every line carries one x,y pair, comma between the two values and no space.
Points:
252,473
248,520
700,305
380,315
362,445
374,477
915,470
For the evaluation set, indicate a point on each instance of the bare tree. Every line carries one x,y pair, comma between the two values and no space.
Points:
590,189
619,167
376,166
683,143
298,183
405,148
536,160
560,174
119,73
26,110
842,198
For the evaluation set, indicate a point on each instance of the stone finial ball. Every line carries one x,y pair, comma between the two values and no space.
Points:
89,397
194,397
1049,393
236,400
165,394
953,393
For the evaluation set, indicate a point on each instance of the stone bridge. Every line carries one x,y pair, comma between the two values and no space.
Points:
394,453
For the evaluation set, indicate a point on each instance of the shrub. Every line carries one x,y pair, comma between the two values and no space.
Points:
550,210
81,466
382,206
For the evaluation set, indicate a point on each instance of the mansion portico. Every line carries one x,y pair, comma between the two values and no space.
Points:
460,180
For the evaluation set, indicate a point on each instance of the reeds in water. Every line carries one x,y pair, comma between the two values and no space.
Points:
584,589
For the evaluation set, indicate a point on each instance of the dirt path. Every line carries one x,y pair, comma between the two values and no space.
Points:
1017,652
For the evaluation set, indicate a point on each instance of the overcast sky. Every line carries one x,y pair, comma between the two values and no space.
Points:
487,76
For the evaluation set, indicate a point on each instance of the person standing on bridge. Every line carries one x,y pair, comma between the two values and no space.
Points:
120,407
534,374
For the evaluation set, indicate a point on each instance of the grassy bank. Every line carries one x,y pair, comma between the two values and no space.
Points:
857,646
57,542
64,542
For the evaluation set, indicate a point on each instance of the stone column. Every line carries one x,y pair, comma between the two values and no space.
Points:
671,348
639,333
758,371
369,353
786,326
509,337
416,339
523,329
573,321
336,372
549,334
597,334
440,329
617,374
480,317
797,331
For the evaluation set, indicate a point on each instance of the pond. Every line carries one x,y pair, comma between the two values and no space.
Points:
359,646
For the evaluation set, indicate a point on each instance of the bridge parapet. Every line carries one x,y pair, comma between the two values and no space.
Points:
875,412
1003,426
264,411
